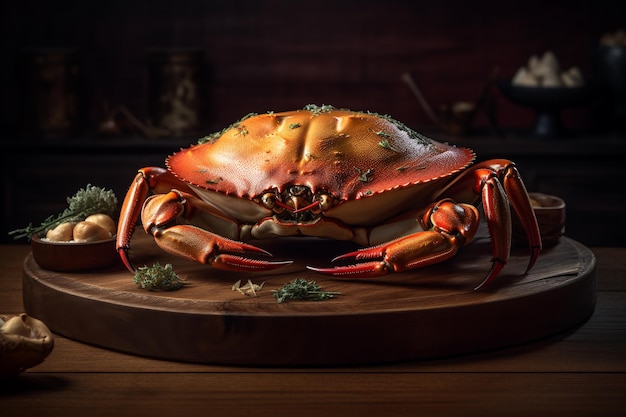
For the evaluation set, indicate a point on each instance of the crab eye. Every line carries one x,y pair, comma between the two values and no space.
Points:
325,201
269,201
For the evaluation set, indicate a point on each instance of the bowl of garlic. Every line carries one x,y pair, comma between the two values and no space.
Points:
87,244
543,85
81,237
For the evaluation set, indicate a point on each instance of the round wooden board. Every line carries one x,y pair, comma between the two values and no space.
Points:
428,313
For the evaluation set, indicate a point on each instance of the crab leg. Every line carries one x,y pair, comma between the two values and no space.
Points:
160,214
159,217
501,188
451,226
496,208
147,179
520,202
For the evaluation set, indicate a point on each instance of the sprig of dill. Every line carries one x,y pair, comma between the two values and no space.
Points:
157,277
301,289
87,201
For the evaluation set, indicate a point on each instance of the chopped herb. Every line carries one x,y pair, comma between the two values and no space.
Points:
315,109
383,134
210,138
215,136
386,145
247,116
412,134
157,277
214,180
402,169
365,176
294,125
301,289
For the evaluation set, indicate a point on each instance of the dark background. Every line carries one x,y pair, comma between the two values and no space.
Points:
275,55
281,55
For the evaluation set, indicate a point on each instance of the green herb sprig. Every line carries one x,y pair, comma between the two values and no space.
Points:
87,201
158,277
301,289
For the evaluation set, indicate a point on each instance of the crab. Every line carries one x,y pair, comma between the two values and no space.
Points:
324,172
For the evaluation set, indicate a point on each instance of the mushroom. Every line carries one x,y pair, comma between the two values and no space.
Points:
24,343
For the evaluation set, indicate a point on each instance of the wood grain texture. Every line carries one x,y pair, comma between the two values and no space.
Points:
579,372
315,394
428,313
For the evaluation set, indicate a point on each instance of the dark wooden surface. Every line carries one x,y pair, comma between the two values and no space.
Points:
580,372
420,314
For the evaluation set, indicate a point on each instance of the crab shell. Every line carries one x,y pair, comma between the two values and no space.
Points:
353,156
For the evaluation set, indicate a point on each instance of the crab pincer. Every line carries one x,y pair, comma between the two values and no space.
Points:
408,252
202,246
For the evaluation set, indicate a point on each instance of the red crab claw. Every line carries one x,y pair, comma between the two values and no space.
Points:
409,252
191,242
451,226
199,245
160,214
148,179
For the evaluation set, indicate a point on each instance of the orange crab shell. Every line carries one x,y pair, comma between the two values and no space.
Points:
348,154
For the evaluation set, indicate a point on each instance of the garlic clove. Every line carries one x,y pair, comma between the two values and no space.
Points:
533,63
523,77
89,232
549,64
551,80
61,233
103,220
577,76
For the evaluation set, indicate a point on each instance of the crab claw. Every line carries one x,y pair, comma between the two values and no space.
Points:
362,270
202,246
230,262
408,252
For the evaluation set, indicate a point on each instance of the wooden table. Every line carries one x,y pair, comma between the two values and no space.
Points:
579,373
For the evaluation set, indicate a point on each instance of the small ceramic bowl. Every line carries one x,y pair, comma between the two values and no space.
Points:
74,256
550,213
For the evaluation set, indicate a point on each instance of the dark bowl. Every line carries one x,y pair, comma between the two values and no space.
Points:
550,213
74,256
549,98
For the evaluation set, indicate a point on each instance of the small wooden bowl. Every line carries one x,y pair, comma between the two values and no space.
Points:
74,256
550,213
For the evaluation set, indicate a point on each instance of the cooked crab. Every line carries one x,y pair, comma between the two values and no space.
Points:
328,173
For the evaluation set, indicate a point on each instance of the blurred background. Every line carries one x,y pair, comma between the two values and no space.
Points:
136,80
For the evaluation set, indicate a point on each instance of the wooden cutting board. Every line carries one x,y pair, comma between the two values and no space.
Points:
428,313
